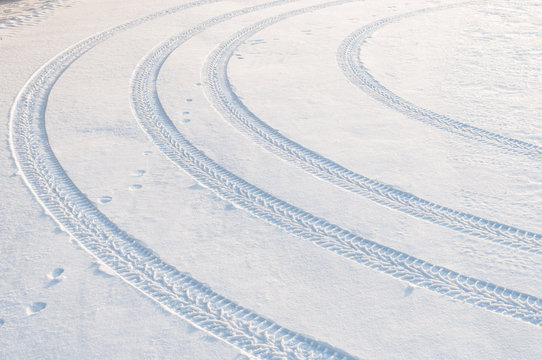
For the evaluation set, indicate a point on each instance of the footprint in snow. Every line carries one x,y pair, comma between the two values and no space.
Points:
147,153
58,230
188,100
139,173
229,207
35,308
2,322
196,186
102,270
56,273
210,339
135,187
257,42
105,199
186,121
55,276
408,290
191,329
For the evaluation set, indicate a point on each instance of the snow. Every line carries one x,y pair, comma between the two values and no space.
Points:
61,297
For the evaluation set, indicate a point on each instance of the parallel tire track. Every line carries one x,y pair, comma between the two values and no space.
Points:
140,267
348,58
155,122
220,93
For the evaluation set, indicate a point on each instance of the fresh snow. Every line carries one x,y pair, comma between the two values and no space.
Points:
226,179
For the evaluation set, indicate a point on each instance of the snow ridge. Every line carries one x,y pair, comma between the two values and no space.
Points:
140,267
220,92
348,58
155,122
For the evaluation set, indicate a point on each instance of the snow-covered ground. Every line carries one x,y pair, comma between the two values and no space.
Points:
252,179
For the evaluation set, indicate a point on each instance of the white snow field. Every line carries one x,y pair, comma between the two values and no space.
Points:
288,179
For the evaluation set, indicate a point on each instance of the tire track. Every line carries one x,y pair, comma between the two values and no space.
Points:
155,122
220,92
348,58
137,265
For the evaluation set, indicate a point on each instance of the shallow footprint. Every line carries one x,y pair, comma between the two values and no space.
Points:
408,290
58,230
55,277
35,308
196,186
102,270
105,199
56,273
135,187
2,322
139,173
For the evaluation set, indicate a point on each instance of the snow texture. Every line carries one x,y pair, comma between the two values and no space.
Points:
197,151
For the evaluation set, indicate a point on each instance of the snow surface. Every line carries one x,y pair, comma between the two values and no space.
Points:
265,123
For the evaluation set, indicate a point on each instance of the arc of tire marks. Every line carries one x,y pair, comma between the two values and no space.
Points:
220,92
140,267
155,122
348,58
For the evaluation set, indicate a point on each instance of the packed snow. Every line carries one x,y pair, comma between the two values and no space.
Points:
288,179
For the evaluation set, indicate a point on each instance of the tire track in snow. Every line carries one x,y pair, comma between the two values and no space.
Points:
348,58
220,92
137,265
155,122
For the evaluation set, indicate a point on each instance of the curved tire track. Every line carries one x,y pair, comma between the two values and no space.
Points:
155,122
348,58
140,267
227,103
